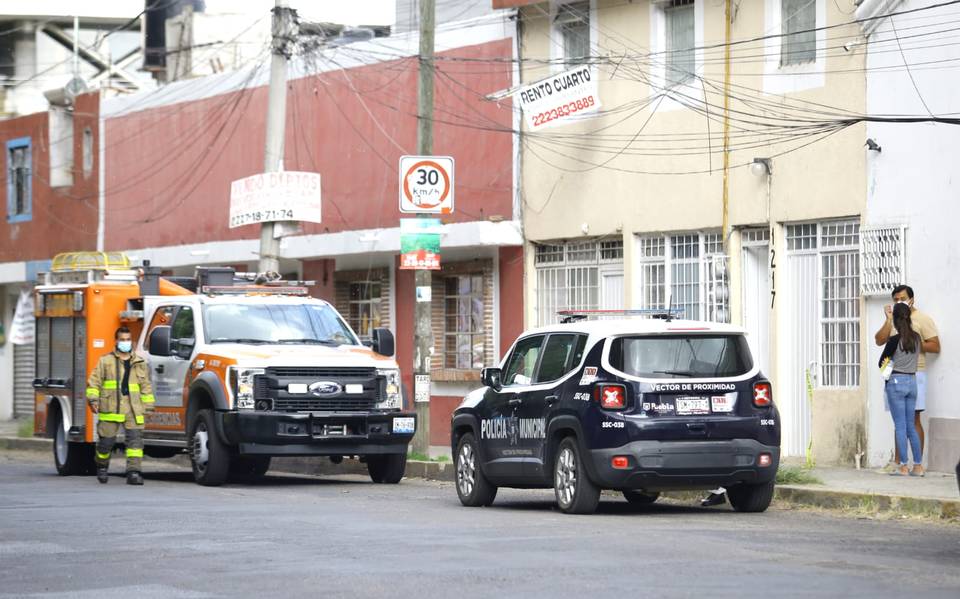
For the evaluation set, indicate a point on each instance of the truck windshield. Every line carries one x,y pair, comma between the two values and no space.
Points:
276,323
681,356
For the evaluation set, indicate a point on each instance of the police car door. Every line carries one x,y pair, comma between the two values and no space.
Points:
499,420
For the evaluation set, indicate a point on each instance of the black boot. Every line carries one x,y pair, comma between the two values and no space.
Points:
714,499
134,478
102,474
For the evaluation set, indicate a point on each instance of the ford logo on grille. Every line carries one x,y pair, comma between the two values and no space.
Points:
324,388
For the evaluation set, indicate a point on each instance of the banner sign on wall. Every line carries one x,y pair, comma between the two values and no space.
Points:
420,243
559,99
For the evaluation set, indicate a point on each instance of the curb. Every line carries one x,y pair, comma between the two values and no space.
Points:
944,509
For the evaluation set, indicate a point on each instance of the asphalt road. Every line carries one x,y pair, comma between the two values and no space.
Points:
299,536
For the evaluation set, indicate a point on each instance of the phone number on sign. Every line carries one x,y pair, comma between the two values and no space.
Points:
564,110
260,216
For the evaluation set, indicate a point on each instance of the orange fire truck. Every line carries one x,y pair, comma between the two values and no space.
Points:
244,367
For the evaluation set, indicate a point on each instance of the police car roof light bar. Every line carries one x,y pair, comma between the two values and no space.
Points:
568,316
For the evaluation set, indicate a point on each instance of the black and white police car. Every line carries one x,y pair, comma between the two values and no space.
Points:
639,405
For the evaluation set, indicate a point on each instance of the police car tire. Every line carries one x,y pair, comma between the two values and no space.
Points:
751,498
79,457
586,495
387,469
640,497
483,492
218,460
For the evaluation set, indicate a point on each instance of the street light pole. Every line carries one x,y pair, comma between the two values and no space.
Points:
423,331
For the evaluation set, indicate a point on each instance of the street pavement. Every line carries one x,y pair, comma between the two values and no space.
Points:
342,536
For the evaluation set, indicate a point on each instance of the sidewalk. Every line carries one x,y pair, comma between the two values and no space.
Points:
866,491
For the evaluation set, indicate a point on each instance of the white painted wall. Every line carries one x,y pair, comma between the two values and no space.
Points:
915,181
7,303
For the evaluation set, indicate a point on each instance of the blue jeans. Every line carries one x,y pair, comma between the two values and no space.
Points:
902,397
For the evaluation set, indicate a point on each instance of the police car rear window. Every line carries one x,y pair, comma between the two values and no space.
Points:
681,356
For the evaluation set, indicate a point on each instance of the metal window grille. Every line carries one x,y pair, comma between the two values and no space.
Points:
546,254
680,42
802,237
652,247
611,250
718,288
685,275
573,21
568,276
585,251
755,236
694,269
464,336
882,259
840,304
364,307
798,21
19,175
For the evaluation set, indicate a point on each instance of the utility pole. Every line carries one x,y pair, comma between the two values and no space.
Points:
276,120
423,332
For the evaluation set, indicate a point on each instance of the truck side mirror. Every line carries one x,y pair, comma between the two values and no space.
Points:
383,342
160,341
491,377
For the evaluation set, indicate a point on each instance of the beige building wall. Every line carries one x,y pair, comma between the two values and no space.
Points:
661,181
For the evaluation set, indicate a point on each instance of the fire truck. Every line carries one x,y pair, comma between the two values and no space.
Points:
244,367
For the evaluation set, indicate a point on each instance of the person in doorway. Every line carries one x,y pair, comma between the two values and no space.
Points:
924,325
119,390
903,350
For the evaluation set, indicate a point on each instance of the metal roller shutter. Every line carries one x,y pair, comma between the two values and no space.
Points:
23,381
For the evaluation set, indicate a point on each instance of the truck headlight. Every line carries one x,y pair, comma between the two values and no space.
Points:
392,397
241,383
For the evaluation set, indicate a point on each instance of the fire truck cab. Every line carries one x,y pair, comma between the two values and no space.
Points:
243,368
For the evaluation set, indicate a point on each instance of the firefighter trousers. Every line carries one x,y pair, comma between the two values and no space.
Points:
133,437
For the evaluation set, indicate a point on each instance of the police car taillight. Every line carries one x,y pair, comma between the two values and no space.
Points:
611,397
762,394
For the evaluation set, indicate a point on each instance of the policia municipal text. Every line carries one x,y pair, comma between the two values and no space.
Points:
119,390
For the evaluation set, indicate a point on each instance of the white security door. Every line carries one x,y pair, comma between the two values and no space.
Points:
800,345
611,295
756,303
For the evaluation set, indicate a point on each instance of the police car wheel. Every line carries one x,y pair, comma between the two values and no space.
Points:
208,454
640,497
473,488
575,492
751,498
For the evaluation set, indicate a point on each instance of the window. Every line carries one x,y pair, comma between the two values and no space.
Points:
19,180
798,21
685,272
573,24
568,276
558,356
162,316
840,304
183,324
363,314
464,337
680,41
691,356
87,152
523,361
274,323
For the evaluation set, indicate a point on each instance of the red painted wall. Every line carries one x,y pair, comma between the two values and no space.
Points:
63,218
170,168
511,296
321,271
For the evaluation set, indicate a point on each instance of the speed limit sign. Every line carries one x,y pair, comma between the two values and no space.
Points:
426,184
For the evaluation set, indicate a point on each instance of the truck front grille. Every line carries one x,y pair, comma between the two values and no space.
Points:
274,386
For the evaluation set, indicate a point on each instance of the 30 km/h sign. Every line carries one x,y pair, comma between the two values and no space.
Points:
426,184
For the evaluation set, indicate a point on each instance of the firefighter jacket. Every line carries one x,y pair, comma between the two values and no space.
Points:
103,388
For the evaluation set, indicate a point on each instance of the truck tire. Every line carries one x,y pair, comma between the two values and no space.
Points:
751,498
387,469
209,456
70,458
248,468
640,497
575,492
473,488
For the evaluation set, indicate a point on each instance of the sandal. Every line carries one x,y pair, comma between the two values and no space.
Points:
901,471
918,471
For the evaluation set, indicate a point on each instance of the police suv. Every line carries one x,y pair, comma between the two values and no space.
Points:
638,405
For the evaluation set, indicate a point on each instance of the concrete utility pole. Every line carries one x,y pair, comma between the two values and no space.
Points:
276,119
423,332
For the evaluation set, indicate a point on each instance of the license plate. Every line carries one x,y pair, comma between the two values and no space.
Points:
689,406
403,425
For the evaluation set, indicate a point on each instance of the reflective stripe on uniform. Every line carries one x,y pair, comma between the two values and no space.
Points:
147,398
103,456
110,384
134,387
108,417
93,392
134,453
139,419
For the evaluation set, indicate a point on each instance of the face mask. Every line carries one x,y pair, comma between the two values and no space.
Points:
124,346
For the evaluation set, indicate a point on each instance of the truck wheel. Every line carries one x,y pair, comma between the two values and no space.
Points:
387,469
208,454
249,468
473,488
70,458
751,498
640,497
576,493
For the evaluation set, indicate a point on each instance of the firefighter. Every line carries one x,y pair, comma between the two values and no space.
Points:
119,391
